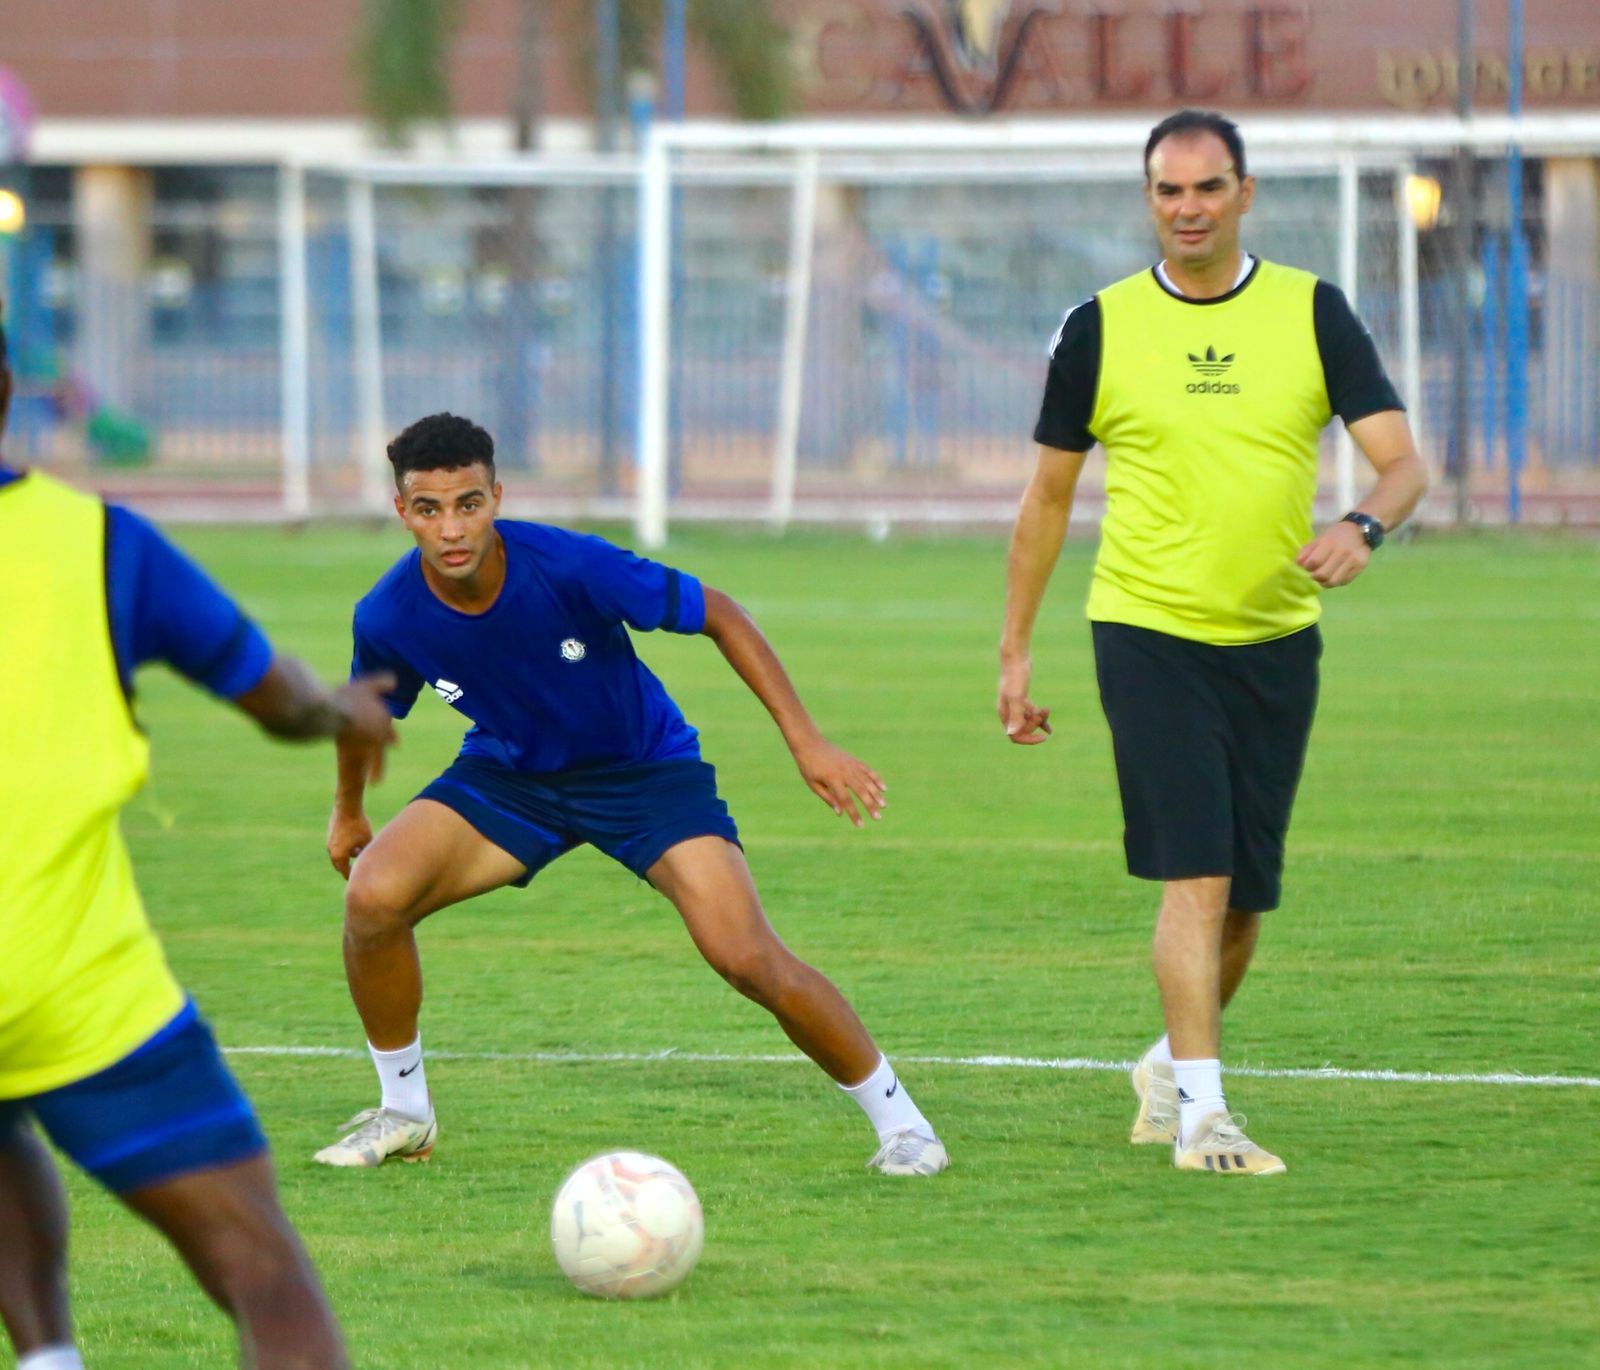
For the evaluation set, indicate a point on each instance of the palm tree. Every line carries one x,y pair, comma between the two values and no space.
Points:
403,56
744,39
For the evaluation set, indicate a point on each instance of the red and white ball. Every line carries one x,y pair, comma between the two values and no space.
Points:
626,1226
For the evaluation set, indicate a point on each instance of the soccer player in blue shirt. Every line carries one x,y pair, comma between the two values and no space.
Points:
523,628
99,1045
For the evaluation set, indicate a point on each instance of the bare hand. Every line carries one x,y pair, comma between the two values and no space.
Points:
1024,723
1336,556
369,726
348,836
835,776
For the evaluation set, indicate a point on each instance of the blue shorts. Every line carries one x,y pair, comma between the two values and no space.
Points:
633,815
168,1108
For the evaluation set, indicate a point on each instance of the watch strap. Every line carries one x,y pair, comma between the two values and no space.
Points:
1371,529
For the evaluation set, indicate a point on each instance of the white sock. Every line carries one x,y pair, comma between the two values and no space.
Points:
52,1358
1161,1053
1199,1092
886,1102
404,1080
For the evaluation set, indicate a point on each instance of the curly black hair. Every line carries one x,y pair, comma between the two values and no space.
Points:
1198,121
440,442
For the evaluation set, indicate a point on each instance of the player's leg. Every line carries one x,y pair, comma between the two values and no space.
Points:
1268,693
1189,970
33,1249
709,882
1168,732
231,1231
1241,929
168,1130
1154,1083
1187,953
425,859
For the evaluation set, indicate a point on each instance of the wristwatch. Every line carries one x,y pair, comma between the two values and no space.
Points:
1371,529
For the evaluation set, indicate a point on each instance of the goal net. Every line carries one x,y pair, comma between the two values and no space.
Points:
842,323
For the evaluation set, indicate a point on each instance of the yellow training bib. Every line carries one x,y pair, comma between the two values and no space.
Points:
82,978
1210,413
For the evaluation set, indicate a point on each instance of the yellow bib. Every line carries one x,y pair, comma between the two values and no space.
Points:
1210,412
82,978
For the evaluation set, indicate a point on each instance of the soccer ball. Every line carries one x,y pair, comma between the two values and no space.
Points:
626,1226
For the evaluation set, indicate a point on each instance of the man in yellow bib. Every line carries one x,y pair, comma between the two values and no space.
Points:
1208,380
99,1046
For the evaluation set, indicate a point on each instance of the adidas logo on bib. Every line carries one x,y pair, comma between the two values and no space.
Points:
447,690
1211,365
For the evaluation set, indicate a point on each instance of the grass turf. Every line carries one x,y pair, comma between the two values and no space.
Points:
1439,916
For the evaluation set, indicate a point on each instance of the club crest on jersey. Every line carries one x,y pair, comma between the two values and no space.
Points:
447,690
573,650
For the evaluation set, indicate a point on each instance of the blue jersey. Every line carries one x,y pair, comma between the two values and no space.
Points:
548,673
162,607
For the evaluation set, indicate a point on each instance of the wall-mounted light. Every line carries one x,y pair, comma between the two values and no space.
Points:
1422,199
13,213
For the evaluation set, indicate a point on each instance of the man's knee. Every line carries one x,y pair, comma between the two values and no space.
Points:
1201,898
377,902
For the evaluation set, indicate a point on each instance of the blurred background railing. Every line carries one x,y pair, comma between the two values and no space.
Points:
932,281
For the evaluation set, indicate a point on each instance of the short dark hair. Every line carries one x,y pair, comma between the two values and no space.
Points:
1198,121
440,442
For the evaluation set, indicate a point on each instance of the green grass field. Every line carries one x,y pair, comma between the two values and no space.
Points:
1440,917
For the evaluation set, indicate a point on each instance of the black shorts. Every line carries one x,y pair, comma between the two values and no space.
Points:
1209,743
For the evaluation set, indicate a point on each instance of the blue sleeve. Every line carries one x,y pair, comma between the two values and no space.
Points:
163,607
370,656
643,594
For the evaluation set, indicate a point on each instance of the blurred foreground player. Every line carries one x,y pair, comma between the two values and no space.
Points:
98,1043
524,629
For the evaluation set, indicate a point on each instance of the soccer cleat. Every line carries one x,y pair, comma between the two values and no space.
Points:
381,1133
910,1151
1157,1091
1220,1147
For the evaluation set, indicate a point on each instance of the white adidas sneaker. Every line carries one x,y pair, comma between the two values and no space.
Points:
381,1133
1156,1088
910,1151
1219,1147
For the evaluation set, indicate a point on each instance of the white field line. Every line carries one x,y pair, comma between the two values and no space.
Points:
1403,1077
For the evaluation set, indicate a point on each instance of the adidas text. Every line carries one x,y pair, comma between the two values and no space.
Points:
1211,388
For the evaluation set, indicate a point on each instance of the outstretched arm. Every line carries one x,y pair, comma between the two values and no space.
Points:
290,702
1035,545
1338,554
835,777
